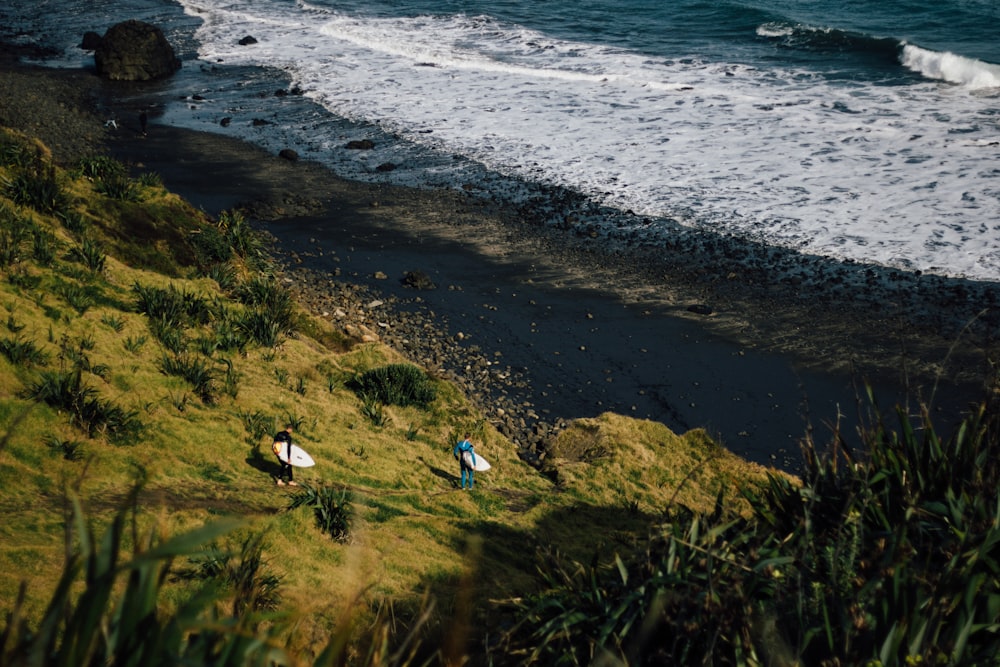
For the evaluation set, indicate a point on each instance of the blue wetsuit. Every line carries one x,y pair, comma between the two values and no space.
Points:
467,471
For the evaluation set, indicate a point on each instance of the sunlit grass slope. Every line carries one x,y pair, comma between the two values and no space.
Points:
137,346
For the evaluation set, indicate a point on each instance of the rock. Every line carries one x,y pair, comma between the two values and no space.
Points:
700,309
91,41
248,40
381,275
225,121
288,154
135,51
361,145
259,122
385,167
418,280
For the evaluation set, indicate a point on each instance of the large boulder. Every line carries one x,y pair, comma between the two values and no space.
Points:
135,51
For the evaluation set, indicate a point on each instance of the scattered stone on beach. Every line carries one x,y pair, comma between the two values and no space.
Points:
418,280
289,154
385,167
135,51
225,121
360,145
248,40
380,275
700,309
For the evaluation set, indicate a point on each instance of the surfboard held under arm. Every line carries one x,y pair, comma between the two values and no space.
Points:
481,463
299,457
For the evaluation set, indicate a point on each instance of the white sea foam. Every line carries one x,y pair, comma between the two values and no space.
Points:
951,68
897,175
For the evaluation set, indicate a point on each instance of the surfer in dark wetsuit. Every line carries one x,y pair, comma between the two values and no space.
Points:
468,471
283,440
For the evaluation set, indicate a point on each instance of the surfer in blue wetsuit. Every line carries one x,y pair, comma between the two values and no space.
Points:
283,441
468,470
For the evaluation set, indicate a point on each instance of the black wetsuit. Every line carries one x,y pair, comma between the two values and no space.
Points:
285,438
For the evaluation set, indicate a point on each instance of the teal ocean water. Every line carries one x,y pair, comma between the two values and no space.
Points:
849,130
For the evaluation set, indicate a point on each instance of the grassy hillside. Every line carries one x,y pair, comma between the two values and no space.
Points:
145,344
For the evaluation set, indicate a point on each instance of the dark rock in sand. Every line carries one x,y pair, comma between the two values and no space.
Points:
91,41
700,309
385,167
135,51
259,122
225,121
248,40
418,280
361,145
288,154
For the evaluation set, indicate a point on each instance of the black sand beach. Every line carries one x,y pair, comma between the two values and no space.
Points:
540,324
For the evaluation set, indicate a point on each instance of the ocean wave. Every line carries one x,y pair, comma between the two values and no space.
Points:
820,39
950,67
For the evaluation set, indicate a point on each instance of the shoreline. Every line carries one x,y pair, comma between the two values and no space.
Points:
542,326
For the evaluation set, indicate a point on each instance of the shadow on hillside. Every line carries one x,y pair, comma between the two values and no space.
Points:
452,478
503,563
267,466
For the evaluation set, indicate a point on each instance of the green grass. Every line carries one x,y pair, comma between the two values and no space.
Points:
137,390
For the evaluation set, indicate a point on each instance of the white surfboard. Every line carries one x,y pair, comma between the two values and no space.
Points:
300,458
481,463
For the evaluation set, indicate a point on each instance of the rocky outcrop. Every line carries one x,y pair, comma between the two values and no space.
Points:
91,41
135,51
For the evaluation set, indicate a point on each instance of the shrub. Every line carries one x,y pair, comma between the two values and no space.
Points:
66,391
100,167
257,424
74,222
15,152
261,327
115,322
38,186
396,384
71,450
77,296
374,412
90,253
120,188
241,238
210,246
171,304
115,615
195,371
242,573
14,234
44,246
885,556
223,274
150,179
331,507
266,295
23,352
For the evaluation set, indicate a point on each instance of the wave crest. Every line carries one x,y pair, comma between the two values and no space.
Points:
947,66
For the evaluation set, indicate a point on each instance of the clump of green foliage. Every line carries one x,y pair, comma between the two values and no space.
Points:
331,507
395,384
37,185
884,557
94,415
241,571
116,617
